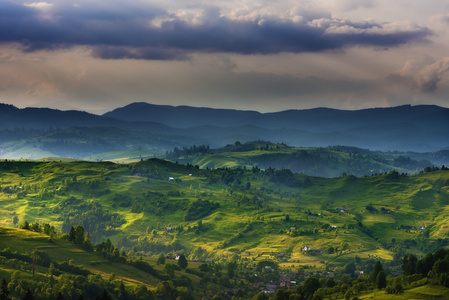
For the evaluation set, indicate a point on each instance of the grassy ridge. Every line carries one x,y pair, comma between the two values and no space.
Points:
324,162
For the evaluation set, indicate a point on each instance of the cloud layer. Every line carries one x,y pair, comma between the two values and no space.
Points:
115,30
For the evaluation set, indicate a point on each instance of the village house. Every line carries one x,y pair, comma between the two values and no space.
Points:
410,227
269,288
329,274
285,281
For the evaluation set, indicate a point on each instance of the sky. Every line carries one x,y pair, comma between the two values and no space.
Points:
263,55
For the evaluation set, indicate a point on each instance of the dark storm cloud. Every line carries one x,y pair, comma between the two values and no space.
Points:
118,52
127,32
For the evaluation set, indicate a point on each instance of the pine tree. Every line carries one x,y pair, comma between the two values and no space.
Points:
28,295
4,292
87,243
381,280
15,220
105,296
161,259
182,261
25,225
377,268
409,264
79,234
72,236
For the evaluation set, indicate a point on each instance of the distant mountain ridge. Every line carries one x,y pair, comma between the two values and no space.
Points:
421,128
320,119
43,118
181,116
404,128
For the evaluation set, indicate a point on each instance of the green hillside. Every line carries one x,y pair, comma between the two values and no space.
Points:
228,213
54,268
332,161
244,215
25,241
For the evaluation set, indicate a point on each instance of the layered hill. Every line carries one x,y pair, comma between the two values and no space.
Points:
34,132
396,128
316,120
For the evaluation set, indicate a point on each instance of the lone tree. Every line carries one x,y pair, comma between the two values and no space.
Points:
182,261
15,220
381,280
161,259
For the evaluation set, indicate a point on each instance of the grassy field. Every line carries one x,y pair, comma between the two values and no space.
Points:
25,241
426,292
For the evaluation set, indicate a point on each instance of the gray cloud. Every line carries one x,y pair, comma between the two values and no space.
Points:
429,77
423,74
150,53
116,31
348,5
